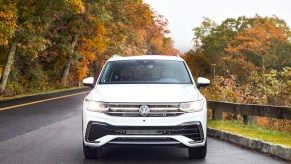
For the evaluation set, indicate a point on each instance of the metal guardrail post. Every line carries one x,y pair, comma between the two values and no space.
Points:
245,119
216,115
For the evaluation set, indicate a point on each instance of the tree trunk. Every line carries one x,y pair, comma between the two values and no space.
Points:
7,68
66,68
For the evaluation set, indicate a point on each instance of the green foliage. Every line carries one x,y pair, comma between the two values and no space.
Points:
198,64
37,80
13,88
278,88
278,55
225,89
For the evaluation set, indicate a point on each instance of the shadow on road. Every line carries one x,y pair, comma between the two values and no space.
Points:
144,155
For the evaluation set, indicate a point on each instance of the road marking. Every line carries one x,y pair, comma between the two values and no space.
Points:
44,100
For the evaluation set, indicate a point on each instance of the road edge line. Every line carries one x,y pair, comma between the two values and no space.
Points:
40,101
276,150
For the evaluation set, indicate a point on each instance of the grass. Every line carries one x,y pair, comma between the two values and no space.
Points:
253,131
39,93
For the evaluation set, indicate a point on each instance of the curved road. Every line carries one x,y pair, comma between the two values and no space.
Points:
50,132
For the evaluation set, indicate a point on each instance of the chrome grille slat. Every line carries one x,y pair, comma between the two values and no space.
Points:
132,110
121,108
164,108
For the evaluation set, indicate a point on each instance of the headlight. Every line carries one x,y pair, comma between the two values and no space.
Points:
95,106
194,106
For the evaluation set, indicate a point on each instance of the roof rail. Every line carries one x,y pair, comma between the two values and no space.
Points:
116,55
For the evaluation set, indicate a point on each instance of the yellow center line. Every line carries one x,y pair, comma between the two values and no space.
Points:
44,100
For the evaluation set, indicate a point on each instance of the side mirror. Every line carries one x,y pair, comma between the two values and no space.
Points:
89,81
202,82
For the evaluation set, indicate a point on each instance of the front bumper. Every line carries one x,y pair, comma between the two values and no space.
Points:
100,134
100,129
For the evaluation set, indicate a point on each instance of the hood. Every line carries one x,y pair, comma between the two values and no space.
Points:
144,93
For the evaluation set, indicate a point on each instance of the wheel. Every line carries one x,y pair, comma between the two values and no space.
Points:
198,152
91,153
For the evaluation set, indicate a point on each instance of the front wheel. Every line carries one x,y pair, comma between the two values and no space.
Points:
197,152
91,153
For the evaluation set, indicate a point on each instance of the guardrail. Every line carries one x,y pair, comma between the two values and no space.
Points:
246,110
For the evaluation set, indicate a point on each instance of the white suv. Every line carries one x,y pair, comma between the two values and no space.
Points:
145,100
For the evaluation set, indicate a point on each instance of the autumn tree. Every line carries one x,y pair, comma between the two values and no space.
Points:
21,17
93,42
47,43
256,41
237,46
210,40
8,18
157,42
198,63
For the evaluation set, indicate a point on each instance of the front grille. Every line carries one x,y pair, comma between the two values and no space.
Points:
192,130
156,110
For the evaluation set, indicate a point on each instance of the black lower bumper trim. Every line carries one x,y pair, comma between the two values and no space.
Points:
192,130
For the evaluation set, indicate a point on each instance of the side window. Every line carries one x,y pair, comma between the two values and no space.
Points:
107,73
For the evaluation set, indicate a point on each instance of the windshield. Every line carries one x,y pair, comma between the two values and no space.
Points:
145,72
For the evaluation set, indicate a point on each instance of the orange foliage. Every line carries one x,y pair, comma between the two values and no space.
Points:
8,18
77,5
89,48
256,39
277,124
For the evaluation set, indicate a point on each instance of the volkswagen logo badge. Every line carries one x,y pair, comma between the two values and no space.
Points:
144,110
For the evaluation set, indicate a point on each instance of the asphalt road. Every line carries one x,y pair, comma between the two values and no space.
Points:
50,132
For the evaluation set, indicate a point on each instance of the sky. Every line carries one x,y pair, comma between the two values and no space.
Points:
184,15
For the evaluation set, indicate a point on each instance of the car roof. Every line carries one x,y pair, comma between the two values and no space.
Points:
146,57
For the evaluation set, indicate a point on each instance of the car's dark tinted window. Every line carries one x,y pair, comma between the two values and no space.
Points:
145,72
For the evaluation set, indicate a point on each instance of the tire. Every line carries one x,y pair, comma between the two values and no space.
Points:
91,153
198,152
